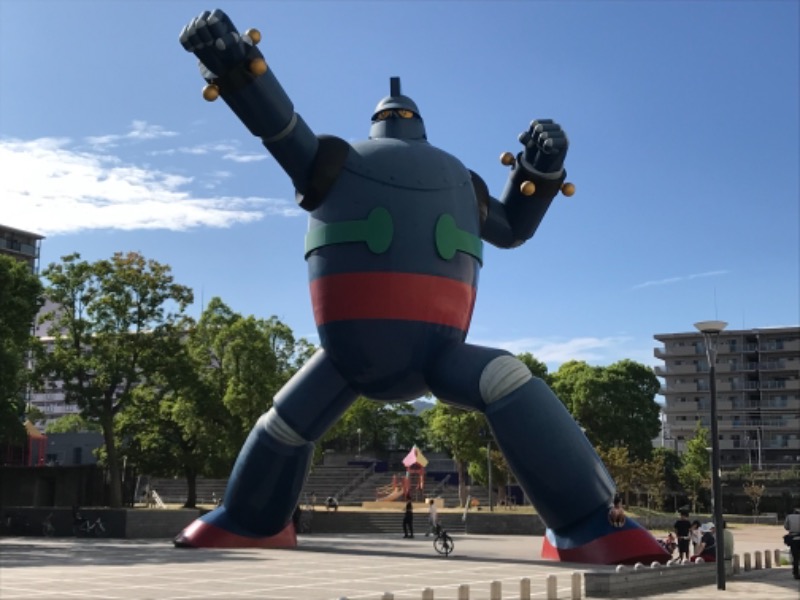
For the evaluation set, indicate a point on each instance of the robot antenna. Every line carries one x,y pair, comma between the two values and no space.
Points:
394,86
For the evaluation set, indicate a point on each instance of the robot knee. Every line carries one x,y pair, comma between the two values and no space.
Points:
502,376
274,426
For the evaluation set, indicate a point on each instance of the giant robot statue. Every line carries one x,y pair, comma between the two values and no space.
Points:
394,247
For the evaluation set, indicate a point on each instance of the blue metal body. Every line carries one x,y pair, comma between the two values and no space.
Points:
394,248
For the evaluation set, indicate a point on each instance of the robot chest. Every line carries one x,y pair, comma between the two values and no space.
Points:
389,219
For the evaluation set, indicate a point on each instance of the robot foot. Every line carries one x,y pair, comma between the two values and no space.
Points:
605,539
216,530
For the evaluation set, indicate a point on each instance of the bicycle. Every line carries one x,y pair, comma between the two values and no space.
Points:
94,528
442,542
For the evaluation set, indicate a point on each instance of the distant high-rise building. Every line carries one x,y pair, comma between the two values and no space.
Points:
22,245
758,394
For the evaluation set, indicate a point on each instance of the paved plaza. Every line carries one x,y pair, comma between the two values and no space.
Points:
359,567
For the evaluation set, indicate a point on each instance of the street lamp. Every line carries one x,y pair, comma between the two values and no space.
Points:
358,431
711,331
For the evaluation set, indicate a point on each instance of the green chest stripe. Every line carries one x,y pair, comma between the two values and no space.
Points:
450,239
377,231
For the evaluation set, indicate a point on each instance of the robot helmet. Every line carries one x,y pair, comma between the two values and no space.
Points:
397,116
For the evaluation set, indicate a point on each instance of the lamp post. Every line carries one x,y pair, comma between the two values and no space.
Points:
358,431
711,331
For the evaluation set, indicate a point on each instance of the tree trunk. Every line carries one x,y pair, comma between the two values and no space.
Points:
114,474
191,487
462,484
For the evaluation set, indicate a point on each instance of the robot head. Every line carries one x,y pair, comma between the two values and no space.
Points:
397,116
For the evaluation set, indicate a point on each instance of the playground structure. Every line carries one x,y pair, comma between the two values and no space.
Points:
405,487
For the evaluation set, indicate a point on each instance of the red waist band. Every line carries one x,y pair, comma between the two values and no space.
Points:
395,296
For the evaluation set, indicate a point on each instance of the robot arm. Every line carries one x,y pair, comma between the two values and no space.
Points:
236,70
537,175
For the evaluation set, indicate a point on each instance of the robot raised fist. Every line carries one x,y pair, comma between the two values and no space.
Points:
393,283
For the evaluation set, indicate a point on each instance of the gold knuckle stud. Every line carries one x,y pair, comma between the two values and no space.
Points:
527,188
568,189
258,66
507,159
211,92
254,34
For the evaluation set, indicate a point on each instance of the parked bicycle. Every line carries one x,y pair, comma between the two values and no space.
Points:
94,528
442,542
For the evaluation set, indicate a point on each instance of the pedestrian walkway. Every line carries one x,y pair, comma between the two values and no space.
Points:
358,567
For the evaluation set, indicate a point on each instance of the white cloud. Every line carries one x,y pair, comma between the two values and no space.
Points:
680,278
554,352
50,187
139,131
226,150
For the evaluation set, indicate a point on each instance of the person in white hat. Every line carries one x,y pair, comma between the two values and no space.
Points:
707,549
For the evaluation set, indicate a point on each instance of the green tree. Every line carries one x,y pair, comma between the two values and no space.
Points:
672,462
20,296
384,426
653,479
111,318
535,366
73,423
695,471
459,432
621,467
216,378
615,405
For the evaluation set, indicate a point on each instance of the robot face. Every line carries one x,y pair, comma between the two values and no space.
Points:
397,116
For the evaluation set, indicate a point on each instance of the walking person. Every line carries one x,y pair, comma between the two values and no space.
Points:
792,539
408,520
683,528
433,517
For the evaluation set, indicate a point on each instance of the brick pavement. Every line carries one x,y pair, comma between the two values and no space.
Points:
358,567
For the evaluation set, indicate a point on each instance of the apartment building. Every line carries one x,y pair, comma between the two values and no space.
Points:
758,394
22,245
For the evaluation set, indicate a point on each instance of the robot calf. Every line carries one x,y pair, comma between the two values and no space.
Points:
394,247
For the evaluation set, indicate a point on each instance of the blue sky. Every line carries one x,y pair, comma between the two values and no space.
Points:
682,117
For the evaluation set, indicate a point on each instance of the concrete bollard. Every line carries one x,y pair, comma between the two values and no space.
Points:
736,566
746,561
552,587
777,557
387,596
767,559
427,594
757,557
495,591
577,586
524,589
463,592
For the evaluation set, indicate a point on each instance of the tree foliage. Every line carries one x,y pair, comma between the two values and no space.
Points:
615,405
110,322
72,423
461,433
695,471
20,295
216,379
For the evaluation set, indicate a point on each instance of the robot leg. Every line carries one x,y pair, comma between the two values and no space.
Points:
550,456
271,469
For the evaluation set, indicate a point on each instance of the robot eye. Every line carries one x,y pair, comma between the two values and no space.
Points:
383,115
405,114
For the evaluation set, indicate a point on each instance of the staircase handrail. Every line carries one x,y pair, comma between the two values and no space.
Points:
441,485
355,482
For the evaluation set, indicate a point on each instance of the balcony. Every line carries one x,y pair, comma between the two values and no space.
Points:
792,346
